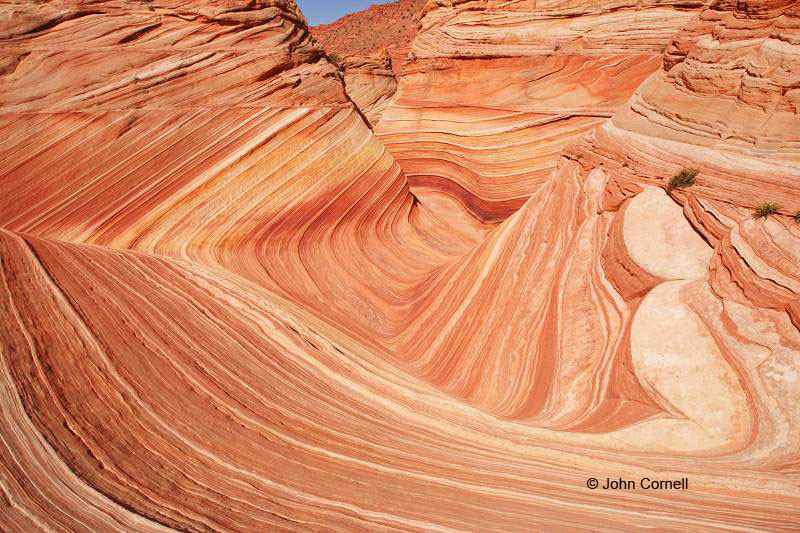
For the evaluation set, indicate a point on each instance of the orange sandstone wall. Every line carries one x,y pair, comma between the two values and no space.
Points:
495,90
218,133
370,83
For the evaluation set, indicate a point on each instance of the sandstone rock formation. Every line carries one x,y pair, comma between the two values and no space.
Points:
370,83
226,306
388,26
497,89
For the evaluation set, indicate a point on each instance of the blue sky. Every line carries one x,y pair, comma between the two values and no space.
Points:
326,11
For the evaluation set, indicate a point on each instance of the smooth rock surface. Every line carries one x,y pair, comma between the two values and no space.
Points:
660,239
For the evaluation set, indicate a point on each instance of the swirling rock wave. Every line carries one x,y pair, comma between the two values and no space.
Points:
224,306
496,90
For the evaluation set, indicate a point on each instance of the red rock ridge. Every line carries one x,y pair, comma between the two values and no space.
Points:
391,26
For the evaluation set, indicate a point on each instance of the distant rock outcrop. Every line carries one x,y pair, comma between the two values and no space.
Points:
391,26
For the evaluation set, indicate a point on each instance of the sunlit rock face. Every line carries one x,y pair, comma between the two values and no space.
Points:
223,307
495,90
216,133
371,83
389,26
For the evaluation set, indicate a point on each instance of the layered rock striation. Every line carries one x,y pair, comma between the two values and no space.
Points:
222,135
225,305
495,90
370,83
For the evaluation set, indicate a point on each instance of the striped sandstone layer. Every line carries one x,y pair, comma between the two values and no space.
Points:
217,134
222,307
370,83
497,89
566,273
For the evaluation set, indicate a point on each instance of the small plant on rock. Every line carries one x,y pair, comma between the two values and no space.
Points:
796,217
765,210
334,58
684,178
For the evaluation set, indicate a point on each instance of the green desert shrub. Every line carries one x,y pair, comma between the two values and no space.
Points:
334,58
765,210
684,178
